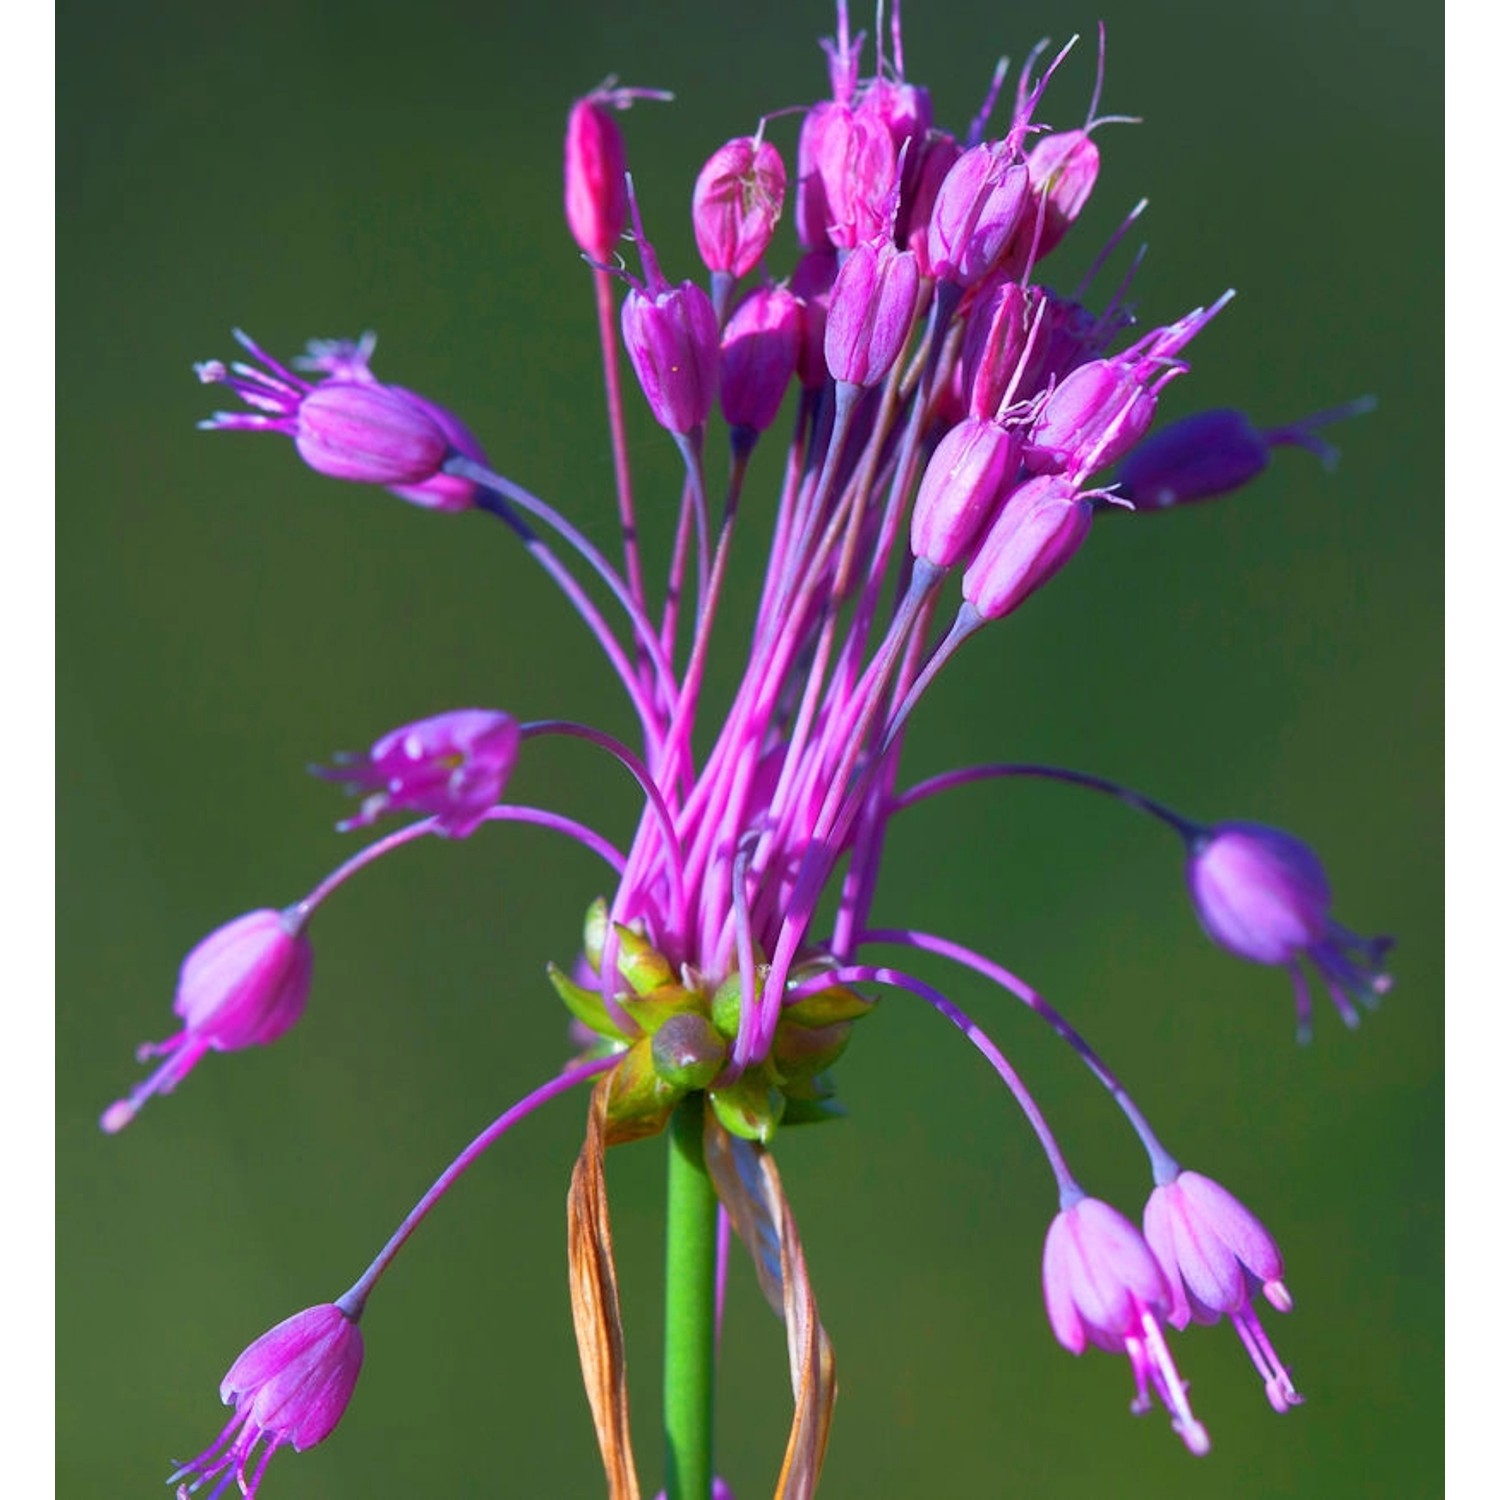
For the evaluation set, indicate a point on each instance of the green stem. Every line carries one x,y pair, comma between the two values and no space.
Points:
688,1372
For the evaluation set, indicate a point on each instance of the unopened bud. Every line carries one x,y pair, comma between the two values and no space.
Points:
737,203
758,356
974,217
594,177
1039,528
673,341
971,469
870,312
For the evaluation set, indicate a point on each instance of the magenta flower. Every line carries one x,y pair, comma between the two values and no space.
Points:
951,433
452,767
1103,1286
290,1386
242,986
1216,1255
1262,894
349,429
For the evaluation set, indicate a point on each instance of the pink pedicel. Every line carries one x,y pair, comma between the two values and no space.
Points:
291,1386
758,357
242,986
1216,1255
1262,894
1103,1286
737,204
452,767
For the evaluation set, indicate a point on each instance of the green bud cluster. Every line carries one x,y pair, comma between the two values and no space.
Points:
681,1034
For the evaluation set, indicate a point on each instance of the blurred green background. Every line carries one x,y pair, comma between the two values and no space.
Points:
226,616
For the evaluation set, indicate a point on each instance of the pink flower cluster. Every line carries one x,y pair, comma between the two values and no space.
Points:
953,424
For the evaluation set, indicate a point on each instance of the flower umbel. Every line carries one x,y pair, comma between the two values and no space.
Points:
953,423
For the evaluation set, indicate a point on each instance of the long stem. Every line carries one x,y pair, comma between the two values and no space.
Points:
688,1367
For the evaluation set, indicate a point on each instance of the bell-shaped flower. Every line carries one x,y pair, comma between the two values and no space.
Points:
672,338
353,429
242,986
291,1386
759,357
1216,1254
1103,1286
965,480
1263,895
1039,528
452,767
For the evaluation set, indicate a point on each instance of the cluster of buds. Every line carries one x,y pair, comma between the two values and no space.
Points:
955,421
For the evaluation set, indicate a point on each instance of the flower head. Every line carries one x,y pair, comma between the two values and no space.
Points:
242,986
452,767
1216,1254
1262,894
1103,1286
291,1385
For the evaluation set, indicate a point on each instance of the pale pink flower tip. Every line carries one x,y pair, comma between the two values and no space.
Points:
242,986
291,1385
1215,1253
452,767
1103,1286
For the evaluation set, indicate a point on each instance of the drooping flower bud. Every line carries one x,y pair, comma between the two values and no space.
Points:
1262,894
737,204
672,338
594,176
1041,526
452,767
1213,452
349,359
870,312
758,357
966,477
1103,1286
242,986
978,207
350,429
292,1385
1216,1255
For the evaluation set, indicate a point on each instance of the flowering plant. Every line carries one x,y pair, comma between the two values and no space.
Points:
958,424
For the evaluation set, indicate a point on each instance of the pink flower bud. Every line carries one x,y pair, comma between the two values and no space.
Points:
291,1386
758,357
811,206
351,428
452,767
594,177
672,337
1262,894
368,433
1039,528
811,283
737,203
857,164
1095,415
967,475
242,986
914,221
995,339
977,210
1063,170
870,312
